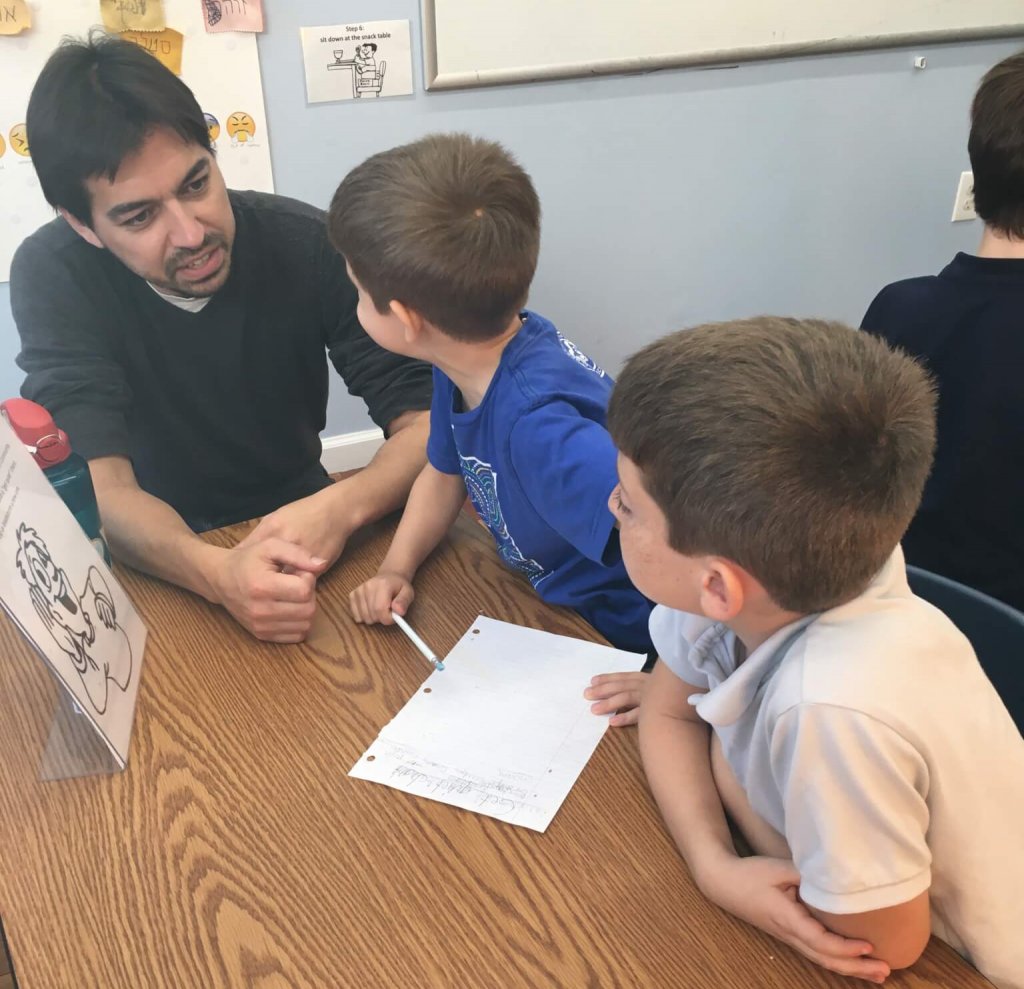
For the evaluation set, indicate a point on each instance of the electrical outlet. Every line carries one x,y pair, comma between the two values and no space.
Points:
963,206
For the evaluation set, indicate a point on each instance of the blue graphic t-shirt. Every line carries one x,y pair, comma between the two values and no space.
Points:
539,466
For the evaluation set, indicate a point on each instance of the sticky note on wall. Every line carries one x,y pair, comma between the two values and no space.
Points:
15,17
232,15
133,15
165,46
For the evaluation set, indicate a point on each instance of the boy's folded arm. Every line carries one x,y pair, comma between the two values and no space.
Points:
675,747
898,934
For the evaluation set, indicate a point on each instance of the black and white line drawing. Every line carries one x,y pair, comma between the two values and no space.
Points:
367,72
84,625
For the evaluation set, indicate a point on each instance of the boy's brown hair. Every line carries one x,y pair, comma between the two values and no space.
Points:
996,146
448,226
796,448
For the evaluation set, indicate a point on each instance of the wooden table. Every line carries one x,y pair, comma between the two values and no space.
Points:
235,852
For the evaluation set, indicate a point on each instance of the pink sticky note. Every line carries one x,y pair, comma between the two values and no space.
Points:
232,15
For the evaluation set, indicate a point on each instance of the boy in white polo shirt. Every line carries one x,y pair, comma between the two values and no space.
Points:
768,469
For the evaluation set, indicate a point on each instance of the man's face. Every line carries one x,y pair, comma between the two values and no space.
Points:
166,216
660,572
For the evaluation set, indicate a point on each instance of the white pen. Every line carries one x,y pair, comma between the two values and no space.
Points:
428,653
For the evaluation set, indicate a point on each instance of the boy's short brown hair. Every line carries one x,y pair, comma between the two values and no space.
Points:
448,226
796,448
996,146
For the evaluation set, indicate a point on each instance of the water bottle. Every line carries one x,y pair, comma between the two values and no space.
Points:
65,470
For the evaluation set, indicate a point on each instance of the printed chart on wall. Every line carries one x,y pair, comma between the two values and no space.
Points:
363,61
220,66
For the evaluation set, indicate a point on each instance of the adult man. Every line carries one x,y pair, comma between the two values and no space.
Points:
965,326
177,332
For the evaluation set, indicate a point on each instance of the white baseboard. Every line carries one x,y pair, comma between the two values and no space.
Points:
347,451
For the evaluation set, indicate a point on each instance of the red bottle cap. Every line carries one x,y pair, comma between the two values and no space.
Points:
35,428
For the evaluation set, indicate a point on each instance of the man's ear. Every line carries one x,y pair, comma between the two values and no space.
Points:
85,232
413,322
722,592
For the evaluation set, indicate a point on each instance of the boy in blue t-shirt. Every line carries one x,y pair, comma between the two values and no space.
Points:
441,240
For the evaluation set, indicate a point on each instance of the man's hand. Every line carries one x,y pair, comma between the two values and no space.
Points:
617,692
374,601
763,892
273,605
317,523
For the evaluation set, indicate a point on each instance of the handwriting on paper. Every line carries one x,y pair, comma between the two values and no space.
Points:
133,15
504,731
233,15
15,17
165,46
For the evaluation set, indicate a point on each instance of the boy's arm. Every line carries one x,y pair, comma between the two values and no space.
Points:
856,823
434,504
674,745
899,934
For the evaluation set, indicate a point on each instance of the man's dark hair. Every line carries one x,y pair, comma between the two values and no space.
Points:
93,104
996,146
795,448
448,226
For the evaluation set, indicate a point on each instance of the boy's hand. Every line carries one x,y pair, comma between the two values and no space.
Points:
617,692
374,601
763,892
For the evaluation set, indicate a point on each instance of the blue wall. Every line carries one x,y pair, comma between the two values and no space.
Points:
797,187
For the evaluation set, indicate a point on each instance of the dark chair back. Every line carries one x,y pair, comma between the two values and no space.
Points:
995,630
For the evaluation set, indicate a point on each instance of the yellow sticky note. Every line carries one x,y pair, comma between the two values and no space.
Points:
165,46
15,17
133,15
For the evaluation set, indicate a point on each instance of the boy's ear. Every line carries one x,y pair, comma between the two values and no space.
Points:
85,232
413,322
721,590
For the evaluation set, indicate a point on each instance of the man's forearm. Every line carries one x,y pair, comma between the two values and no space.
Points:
149,535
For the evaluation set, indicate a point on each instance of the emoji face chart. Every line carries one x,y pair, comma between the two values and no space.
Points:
241,128
213,125
19,140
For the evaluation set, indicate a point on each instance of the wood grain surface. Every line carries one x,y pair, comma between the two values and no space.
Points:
235,852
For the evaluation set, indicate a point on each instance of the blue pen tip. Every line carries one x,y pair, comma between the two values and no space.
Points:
440,665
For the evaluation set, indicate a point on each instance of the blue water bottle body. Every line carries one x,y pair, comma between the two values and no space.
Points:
73,482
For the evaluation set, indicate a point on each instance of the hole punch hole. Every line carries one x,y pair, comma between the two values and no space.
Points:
370,758
476,631
427,690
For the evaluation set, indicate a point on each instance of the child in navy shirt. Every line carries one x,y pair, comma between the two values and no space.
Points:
441,240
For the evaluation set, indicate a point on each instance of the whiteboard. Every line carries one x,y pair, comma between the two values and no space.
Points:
488,42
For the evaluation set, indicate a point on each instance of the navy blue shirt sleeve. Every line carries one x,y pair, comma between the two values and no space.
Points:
442,453
566,467
70,364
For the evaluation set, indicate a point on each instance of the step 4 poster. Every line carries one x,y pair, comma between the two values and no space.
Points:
362,61
65,600
223,71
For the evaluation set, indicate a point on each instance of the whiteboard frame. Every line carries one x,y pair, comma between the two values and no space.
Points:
433,80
